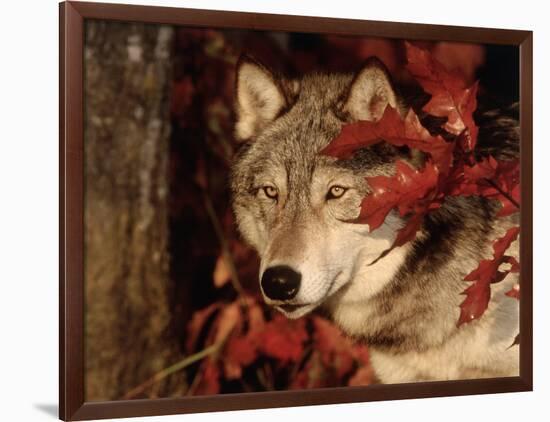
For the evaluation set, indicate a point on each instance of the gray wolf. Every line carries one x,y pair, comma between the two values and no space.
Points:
293,206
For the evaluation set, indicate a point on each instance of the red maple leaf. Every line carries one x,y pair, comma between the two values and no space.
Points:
363,376
450,97
283,339
210,381
402,191
479,293
394,130
488,178
239,352
412,192
241,349
504,187
409,230
514,291
314,374
484,169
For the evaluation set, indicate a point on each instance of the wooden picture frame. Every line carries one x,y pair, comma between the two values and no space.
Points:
72,405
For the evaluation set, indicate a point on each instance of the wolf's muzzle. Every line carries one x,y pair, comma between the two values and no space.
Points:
281,283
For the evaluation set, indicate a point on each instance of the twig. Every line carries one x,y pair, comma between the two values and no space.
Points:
268,377
194,384
503,193
224,245
182,364
262,378
298,365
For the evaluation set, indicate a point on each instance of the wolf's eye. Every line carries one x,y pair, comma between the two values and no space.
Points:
271,192
336,192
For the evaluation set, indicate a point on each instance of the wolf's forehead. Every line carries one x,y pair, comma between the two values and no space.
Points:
290,146
310,123
298,167
298,172
291,166
323,89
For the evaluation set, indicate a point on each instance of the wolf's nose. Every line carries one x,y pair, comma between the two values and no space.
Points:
280,282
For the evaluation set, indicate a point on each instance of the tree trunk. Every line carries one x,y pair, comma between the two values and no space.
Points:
127,315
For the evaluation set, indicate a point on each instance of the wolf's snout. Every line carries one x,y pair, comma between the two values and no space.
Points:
280,282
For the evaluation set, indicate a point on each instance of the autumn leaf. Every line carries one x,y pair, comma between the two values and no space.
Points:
514,291
256,320
450,97
409,230
313,375
363,376
335,357
242,348
245,337
227,320
361,353
406,191
509,202
222,274
487,272
504,187
210,381
475,303
413,193
239,352
487,178
394,130
484,169
283,339
469,180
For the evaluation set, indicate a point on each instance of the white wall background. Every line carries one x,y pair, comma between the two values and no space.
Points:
29,195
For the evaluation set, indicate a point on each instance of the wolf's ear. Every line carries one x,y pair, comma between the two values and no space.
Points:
260,97
370,92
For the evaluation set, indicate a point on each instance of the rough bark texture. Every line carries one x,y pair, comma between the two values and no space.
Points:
127,319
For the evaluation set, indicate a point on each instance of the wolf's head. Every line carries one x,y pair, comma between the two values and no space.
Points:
294,205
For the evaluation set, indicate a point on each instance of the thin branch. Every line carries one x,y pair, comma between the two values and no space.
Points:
503,193
260,374
194,384
182,364
224,245
306,354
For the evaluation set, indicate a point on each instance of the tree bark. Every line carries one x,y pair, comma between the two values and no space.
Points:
127,315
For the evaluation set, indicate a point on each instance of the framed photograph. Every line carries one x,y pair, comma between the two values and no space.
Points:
267,210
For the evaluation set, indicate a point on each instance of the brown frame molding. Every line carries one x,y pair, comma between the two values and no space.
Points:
71,280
